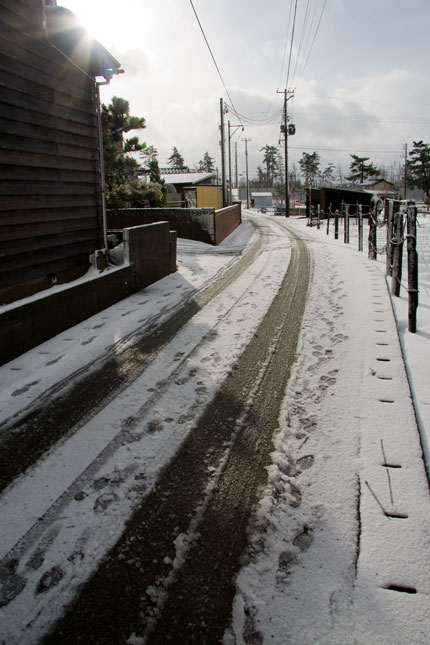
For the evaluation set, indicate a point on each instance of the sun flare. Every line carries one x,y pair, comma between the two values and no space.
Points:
115,26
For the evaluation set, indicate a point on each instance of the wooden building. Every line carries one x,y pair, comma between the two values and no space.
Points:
382,189
194,189
331,199
261,200
51,195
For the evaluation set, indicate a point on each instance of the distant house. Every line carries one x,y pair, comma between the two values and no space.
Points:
194,189
381,188
52,207
261,200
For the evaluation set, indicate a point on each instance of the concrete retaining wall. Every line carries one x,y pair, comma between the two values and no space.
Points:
201,224
189,223
150,254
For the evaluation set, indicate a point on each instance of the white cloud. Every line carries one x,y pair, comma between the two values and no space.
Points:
364,86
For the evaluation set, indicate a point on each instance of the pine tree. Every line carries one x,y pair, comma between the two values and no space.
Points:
176,160
418,167
271,160
207,164
120,169
124,188
309,167
116,120
360,170
148,154
327,175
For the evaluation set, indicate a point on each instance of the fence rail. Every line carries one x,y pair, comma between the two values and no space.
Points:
400,223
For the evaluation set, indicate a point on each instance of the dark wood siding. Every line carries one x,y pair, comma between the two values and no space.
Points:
50,189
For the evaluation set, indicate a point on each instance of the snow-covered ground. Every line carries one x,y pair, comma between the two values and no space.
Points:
339,547
41,370
87,485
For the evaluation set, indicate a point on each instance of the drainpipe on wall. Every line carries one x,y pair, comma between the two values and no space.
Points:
102,165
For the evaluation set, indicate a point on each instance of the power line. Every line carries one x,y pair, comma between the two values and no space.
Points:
362,117
328,149
305,19
249,120
213,58
285,44
291,45
308,38
313,41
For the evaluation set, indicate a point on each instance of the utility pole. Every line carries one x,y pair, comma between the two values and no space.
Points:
229,164
288,94
224,196
405,174
246,166
236,183
229,157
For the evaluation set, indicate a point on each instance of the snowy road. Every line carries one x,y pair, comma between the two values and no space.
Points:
337,550
106,465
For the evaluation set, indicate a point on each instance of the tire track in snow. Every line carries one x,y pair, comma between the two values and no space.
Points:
67,405
170,577
32,571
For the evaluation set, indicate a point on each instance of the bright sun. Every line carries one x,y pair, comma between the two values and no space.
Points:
112,24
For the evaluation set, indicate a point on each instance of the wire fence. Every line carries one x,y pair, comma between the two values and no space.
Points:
390,228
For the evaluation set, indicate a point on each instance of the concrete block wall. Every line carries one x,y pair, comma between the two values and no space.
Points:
189,223
150,254
201,224
147,249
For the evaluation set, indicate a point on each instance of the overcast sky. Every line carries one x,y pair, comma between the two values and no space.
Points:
361,79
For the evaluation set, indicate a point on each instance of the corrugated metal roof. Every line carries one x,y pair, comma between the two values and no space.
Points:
188,177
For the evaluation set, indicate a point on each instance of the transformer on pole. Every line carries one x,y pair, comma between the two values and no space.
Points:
287,129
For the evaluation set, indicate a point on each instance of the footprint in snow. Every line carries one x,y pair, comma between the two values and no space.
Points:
38,557
24,389
305,462
304,540
54,360
11,584
103,501
285,560
89,340
296,495
50,579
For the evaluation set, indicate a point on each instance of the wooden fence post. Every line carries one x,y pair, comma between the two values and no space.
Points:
336,224
372,253
389,215
397,254
328,219
346,224
360,227
411,219
318,216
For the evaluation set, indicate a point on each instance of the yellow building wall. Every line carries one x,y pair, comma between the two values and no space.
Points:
209,197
